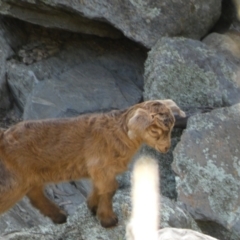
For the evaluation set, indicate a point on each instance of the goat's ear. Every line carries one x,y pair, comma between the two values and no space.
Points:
139,122
174,107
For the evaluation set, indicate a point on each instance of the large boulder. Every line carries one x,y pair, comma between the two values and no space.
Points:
207,163
191,73
65,75
143,21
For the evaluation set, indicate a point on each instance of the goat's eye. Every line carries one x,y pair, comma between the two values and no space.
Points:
154,129
155,132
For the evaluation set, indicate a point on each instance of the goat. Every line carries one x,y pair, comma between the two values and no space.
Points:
96,146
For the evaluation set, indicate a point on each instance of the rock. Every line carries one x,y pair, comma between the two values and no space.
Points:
58,14
190,73
22,215
84,75
69,195
236,21
143,22
4,95
82,225
86,87
5,53
13,35
181,234
207,163
227,43
173,215
21,81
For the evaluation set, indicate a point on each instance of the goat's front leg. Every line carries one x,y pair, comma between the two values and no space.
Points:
105,211
100,201
93,200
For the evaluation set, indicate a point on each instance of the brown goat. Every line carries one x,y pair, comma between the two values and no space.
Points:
95,146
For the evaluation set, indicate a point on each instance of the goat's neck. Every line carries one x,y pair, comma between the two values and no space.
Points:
137,141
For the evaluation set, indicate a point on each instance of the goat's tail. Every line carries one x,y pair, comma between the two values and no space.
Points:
144,221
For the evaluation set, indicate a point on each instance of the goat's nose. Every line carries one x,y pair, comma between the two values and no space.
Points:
166,149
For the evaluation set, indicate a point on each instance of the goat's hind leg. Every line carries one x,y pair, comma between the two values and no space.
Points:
8,200
9,196
11,191
46,207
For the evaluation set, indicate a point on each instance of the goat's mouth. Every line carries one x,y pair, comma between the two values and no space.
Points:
163,149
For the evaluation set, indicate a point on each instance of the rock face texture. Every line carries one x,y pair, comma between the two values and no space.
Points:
191,73
59,85
142,21
207,163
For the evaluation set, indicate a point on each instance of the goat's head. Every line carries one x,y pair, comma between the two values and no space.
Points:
152,122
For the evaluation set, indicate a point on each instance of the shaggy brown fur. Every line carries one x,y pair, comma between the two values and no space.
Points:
96,146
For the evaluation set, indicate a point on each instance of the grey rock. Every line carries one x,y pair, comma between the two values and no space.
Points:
4,95
14,33
22,215
85,88
235,25
82,225
173,215
85,75
191,73
181,234
58,14
20,81
207,163
143,21
227,43
5,53
69,195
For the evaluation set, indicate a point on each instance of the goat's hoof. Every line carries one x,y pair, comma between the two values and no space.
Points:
59,219
93,210
109,222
